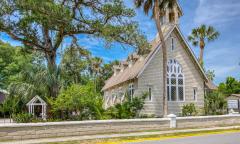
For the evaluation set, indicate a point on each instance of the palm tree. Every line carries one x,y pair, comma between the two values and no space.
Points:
95,69
74,61
200,36
157,7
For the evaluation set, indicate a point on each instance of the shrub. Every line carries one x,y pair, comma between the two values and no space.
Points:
189,110
82,100
215,104
128,109
22,117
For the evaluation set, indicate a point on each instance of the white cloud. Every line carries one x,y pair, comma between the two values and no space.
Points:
221,72
217,12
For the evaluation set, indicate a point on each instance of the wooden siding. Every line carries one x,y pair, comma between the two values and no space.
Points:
152,76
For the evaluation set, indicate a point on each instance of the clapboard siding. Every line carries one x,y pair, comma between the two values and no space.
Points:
152,75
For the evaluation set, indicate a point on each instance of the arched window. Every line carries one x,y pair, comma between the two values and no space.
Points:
175,81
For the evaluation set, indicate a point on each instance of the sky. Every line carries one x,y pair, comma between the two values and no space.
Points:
222,55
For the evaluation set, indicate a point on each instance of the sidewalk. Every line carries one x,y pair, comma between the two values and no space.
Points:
78,138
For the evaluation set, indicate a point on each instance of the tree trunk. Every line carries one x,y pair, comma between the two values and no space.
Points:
52,68
202,45
50,55
164,53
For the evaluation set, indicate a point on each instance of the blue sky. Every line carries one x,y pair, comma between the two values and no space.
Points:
222,55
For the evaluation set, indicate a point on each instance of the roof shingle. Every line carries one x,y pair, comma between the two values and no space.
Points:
130,73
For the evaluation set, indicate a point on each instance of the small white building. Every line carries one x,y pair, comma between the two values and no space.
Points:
36,102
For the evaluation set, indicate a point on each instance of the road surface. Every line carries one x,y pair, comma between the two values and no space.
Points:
226,138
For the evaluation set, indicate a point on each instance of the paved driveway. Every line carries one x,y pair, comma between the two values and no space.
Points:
227,138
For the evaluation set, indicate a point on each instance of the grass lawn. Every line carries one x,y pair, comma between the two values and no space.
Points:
148,138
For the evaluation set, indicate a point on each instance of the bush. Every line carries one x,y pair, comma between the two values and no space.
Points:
215,104
22,117
189,110
128,109
82,100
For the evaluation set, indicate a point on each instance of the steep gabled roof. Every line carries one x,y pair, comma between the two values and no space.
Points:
139,66
132,72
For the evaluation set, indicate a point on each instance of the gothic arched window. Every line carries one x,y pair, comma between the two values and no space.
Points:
175,81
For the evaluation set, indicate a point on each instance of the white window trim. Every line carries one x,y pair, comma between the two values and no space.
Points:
114,99
148,98
173,44
120,93
107,101
131,90
122,98
196,94
169,74
113,95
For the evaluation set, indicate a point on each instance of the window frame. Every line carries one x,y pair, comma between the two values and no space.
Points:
195,94
163,20
131,90
174,71
121,94
173,45
107,99
150,94
113,97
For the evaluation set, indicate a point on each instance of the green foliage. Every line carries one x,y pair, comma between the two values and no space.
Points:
43,26
12,61
22,117
200,36
80,99
215,103
231,86
210,74
128,109
189,110
74,62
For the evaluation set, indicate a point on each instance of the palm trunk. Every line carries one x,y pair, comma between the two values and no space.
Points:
201,56
164,53
202,45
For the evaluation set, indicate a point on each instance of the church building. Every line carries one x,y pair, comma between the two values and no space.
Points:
186,80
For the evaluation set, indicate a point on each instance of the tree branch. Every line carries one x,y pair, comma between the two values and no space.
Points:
24,41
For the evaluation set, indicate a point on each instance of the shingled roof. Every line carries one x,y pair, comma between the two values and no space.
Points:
135,70
130,73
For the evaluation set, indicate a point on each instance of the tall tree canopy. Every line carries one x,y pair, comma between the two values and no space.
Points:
200,36
43,25
230,86
12,61
74,62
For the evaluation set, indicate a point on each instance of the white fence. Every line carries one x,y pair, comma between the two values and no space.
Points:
14,131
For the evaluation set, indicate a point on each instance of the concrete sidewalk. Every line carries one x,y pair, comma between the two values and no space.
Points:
79,138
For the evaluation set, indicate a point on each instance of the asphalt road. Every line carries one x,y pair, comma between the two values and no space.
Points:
227,138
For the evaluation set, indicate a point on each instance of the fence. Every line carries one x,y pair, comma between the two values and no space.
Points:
5,120
80,128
